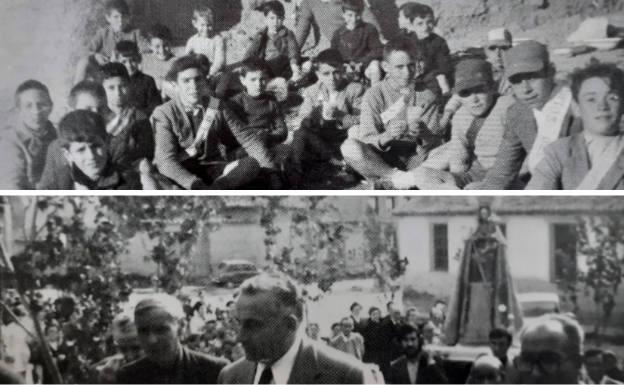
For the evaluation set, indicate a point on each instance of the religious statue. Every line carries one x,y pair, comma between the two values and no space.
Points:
484,296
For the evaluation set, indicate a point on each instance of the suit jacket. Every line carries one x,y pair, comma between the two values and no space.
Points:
427,373
518,139
566,163
314,364
174,133
392,348
192,368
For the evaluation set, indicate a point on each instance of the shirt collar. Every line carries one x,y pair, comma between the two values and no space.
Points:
282,32
283,367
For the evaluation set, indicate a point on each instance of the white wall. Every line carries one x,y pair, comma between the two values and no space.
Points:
529,246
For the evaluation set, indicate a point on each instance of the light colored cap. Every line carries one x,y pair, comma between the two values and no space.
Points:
164,302
500,37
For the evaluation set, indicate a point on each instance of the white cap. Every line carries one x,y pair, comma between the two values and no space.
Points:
500,36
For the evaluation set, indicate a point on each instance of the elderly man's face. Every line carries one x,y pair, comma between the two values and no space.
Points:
546,357
267,330
158,335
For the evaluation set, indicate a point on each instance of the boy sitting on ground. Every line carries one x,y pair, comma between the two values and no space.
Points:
85,147
276,44
102,47
477,131
86,96
418,23
592,159
256,118
157,63
24,143
358,42
144,94
330,108
398,124
130,141
207,41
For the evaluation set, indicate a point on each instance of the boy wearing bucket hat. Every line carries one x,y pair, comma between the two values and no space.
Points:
540,115
477,130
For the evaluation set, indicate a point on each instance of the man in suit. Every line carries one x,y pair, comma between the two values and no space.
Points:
532,77
551,351
166,361
415,366
194,146
593,159
390,328
270,310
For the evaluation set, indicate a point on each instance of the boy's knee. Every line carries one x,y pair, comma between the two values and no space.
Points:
353,150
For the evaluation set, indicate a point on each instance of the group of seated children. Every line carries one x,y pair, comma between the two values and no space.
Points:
401,115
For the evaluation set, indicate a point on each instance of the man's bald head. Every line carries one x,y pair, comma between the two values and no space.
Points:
487,369
562,328
551,350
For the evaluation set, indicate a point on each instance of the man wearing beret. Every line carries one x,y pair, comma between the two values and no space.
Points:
166,361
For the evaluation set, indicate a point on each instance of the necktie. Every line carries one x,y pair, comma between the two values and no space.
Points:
198,116
267,376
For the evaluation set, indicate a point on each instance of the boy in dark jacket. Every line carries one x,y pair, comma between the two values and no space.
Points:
358,42
418,22
276,44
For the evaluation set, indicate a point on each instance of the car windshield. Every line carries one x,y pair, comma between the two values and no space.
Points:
539,308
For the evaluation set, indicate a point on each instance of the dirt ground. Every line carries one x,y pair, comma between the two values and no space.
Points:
43,40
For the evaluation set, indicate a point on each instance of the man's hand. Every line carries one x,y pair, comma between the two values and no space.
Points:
199,185
395,130
431,179
101,59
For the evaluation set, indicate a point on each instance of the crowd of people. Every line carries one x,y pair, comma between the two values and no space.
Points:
263,336
89,343
397,113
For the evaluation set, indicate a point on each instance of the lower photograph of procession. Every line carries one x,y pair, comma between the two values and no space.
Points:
305,290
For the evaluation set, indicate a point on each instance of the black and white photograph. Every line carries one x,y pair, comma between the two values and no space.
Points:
311,95
303,290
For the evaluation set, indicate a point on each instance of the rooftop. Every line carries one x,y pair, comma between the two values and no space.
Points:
510,205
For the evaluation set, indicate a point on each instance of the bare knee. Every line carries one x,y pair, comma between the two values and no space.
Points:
353,150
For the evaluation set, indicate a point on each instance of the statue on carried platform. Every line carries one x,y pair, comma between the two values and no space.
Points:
484,296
